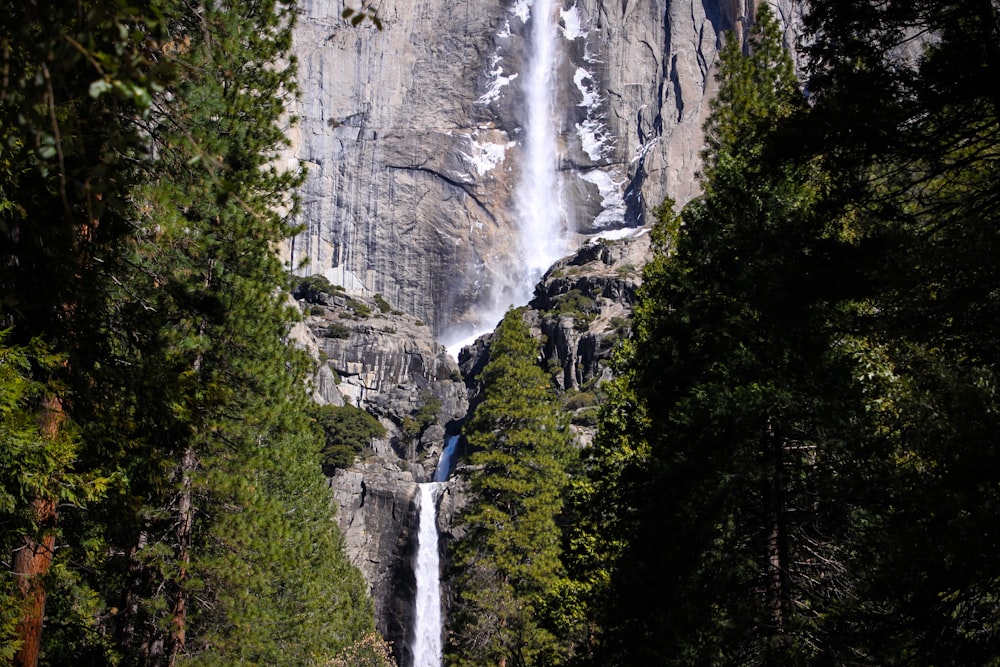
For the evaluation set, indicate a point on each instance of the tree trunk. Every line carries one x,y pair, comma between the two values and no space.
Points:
777,548
32,560
32,557
185,525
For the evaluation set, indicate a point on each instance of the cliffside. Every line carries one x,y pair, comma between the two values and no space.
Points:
413,139
413,134
582,308
388,363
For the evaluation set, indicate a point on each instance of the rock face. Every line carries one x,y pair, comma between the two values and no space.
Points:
582,308
413,135
389,364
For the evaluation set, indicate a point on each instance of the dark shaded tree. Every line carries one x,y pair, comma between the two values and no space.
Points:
916,172
713,535
75,80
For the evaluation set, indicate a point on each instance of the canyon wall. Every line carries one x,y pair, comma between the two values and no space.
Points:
412,134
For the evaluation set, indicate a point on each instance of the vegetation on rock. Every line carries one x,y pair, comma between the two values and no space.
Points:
507,569
796,465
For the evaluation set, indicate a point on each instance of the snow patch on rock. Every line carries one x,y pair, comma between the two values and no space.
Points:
612,201
497,83
591,98
485,156
522,10
571,23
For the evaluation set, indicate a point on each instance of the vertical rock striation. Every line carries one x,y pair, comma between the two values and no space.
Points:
413,134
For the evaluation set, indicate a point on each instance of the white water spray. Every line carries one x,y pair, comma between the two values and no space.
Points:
427,614
539,205
426,568
543,233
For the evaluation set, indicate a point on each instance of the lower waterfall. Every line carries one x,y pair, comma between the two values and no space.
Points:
427,612
426,645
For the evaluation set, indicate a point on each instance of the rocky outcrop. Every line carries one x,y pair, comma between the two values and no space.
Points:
582,308
376,512
413,134
387,363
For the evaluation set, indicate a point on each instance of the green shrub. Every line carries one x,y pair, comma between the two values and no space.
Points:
382,304
358,308
574,302
414,427
347,431
578,400
337,330
586,416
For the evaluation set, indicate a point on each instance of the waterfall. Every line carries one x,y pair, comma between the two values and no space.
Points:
539,207
543,231
444,463
427,613
426,568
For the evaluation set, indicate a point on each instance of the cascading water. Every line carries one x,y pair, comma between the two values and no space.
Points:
539,208
543,233
543,239
444,463
427,614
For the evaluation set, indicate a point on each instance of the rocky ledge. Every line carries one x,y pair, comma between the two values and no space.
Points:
389,364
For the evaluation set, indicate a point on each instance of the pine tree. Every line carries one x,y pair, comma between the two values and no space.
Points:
720,446
140,176
806,404
76,79
507,567
909,127
228,545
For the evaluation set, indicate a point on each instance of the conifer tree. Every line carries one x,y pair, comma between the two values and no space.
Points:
140,176
806,404
507,567
718,446
76,78
909,127
231,549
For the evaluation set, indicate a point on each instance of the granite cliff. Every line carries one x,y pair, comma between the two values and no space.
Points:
414,140
387,363
413,134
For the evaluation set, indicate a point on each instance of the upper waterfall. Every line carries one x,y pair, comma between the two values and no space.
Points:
415,135
543,229
544,232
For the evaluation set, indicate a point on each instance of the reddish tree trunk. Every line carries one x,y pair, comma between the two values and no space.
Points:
32,557
32,560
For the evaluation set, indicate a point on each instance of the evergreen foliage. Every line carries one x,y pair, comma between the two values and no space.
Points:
731,365
140,177
917,175
507,568
797,465
347,431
